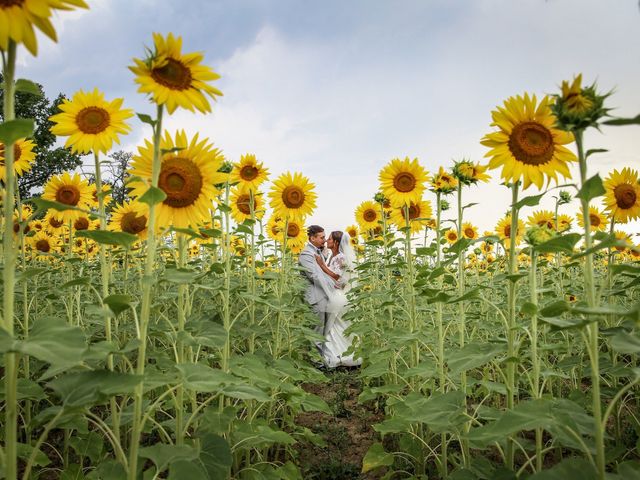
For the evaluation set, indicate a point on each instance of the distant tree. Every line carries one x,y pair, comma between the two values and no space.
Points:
116,174
50,160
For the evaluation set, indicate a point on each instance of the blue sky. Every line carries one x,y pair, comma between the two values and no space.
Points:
336,89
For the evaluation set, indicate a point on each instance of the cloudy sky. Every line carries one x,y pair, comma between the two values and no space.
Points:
335,89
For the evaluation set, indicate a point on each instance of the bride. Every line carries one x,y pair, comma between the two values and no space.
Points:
338,273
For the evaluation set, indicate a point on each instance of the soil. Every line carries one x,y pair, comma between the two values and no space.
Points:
348,432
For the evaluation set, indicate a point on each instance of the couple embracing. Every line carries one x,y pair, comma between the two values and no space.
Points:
327,291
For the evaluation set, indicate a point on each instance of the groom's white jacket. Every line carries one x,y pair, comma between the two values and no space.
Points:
315,294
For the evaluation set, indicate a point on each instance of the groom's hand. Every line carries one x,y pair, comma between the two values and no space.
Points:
319,259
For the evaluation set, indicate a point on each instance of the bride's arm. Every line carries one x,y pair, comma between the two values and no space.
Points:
326,269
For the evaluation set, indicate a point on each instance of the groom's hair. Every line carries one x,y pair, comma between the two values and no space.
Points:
313,229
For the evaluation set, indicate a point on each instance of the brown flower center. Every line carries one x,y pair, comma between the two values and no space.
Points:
181,180
81,223
531,143
68,194
594,220
11,3
404,182
414,212
293,196
55,222
507,231
174,75
469,233
370,215
244,203
131,223
293,229
43,246
16,228
625,196
249,172
452,236
545,223
93,120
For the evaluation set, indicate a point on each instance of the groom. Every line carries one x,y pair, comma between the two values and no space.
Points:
315,295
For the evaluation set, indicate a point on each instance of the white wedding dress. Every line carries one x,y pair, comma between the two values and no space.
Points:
337,343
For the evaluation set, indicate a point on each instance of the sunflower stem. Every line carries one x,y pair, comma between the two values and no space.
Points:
8,275
592,328
145,312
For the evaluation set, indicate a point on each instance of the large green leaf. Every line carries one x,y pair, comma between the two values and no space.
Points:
376,457
202,378
162,454
258,434
473,355
121,239
13,130
92,387
440,412
591,189
624,342
215,455
562,243
568,469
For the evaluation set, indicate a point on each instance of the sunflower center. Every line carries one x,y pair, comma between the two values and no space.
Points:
55,222
414,212
293,229
594,220
93,120
293,196
243,204
81,223
181,180
469,233
68,194
369,215
173,74
249,172
452,235
16,228
11,3
507,231
131,223
43,246
531,143
545,223
625,196
404,182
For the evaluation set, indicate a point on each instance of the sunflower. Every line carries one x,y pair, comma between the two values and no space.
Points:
469,231
622,197
486,248
71,191
54,223
186,176
578,107
353,232
292,195
443,182
175,79
527,145
36,225
91,122
248,173
275,225
20,217
597,219
85,247
469,173
83,222
18,17
43,244
451,236
542,218
625,239
240,205
296,235
106,198
23,157
564,222
503,230
419,213
368,215
402,181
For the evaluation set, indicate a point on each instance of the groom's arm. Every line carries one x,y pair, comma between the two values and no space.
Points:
308,262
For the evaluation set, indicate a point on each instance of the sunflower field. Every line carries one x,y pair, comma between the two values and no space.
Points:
167,336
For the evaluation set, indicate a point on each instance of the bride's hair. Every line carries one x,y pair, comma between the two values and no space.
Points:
336,236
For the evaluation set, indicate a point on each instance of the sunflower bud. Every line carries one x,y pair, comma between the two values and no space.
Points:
565,197
538,235
444,205
577,107
379,197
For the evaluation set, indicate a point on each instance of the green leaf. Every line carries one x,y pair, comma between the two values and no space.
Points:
117,302
180,275
561,243
558,323
592,188
473,355
122,239
13,130
144,118
215,455
623,121
152,196
441,411
203,378
89,446
43,205
569,468
555,308
193,470
376,457
246,392
75,282
623,342
593,151
162,454
24,451
29,273
108,470
530,201
27,86
92,387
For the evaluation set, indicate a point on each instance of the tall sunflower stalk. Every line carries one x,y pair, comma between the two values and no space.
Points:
8,272
145,312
